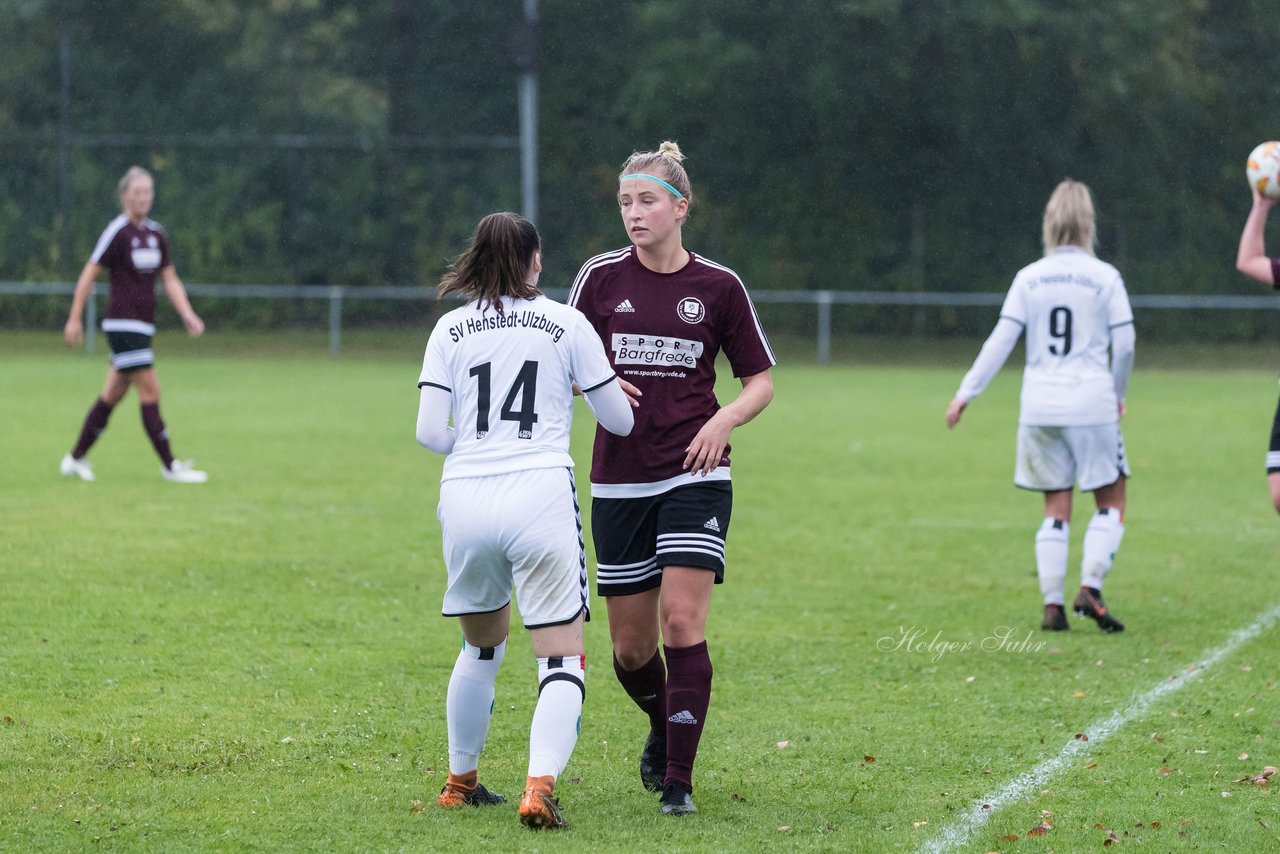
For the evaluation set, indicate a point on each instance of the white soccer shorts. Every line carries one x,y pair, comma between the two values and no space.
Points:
520,529
1054,458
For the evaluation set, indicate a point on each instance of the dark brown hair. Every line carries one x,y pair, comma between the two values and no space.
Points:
497,262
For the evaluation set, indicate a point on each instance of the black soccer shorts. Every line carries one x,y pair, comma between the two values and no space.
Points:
130,351
636,538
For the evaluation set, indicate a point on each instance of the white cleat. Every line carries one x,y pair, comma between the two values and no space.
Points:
71,467
184,471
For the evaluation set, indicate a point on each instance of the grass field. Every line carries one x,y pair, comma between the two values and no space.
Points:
258,664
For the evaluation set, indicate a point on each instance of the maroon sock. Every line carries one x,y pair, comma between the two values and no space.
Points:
94,423
647,687
159,436
688,695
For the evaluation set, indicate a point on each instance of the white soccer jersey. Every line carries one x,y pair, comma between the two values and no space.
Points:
1068,303
510,379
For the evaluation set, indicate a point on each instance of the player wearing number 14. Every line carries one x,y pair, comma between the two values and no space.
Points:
504,366
1074,310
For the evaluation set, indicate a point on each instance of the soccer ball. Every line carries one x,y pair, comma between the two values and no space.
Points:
1263,169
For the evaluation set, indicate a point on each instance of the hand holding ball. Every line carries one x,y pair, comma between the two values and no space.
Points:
1263,169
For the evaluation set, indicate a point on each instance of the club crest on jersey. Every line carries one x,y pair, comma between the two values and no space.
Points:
691,310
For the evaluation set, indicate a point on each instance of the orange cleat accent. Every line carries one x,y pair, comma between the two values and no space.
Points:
1089,604
462,790
538,809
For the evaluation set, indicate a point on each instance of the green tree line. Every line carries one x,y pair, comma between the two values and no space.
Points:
836,144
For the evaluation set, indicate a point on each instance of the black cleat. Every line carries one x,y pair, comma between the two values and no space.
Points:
677,800
453,795
1055,619
1089,604
653,762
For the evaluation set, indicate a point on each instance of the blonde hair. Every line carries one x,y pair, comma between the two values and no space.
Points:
133,173
1069,218
497,262
666,163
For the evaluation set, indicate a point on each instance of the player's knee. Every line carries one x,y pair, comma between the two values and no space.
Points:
683,627
632,656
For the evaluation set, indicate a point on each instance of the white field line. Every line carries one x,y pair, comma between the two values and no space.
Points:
977,815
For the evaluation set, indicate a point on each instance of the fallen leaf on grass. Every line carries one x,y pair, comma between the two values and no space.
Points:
783,745
1259,779
1038,830
919,823
1156,825
1164,770
1091,766
785,828
738,798
1011,837
1081,737
415,806
1078,694
1242,757
868,759
8,721
1111,839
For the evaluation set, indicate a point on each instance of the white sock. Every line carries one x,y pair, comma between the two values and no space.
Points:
469,703
1101,542
554,732
1051,559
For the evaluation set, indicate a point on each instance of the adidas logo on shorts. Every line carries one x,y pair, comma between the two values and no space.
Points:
625,306
684,717
712,524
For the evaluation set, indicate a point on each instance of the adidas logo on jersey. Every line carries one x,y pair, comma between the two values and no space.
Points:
625,306
712,524
684,717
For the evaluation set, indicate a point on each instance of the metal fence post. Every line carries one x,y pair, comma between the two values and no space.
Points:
91,319
335,319
824,300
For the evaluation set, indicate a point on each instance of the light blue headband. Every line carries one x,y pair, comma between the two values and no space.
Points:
655,179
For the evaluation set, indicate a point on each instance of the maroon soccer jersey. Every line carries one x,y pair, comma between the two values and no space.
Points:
133,254
662,332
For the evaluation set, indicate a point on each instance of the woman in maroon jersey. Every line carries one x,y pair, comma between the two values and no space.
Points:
1252,260
661,497
134,249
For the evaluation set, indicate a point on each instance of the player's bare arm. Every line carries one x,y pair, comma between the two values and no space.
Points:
1251,259
178,296
954,410
705,451
73,332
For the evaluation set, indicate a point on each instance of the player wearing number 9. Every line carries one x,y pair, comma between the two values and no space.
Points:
1253,261
504,366
1080,341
